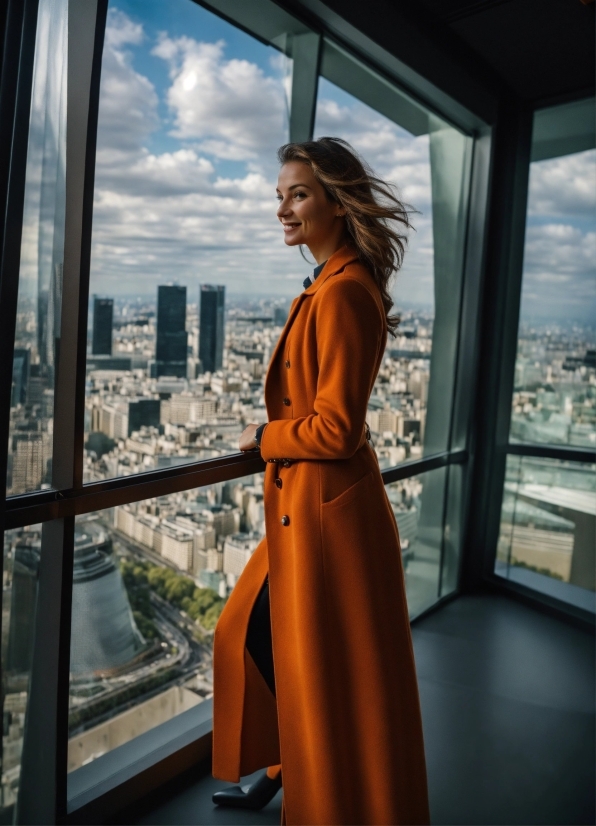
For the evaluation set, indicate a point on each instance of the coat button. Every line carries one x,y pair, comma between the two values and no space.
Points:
286,462
287,402
278,483
287,363
285,520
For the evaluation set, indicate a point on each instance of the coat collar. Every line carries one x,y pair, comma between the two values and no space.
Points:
336,262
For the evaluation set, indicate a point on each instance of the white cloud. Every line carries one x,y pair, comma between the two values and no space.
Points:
175,215
128,100
120,30
564,186
170,215
560,250
229,105
559,272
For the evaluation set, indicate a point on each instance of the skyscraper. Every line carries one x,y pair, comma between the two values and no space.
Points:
211,326
172,343
103,317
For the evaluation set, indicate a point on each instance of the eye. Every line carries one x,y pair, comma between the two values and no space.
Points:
299,194
278,197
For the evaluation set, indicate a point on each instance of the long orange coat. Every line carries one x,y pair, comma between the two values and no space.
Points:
346,722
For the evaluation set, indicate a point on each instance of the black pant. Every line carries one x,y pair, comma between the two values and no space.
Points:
258,636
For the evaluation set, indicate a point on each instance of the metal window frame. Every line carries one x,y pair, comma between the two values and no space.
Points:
499,322
58,507
15,106
42,785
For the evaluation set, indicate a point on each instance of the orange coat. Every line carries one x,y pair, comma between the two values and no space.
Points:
346,723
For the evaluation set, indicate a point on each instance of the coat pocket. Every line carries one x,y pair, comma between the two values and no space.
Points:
352,494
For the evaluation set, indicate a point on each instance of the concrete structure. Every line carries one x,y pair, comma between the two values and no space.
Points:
104,633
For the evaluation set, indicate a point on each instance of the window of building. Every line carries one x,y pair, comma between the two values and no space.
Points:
547,537
190,279
150,580
38,328
190,284
428,161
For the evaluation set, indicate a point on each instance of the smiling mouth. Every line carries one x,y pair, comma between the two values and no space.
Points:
289,227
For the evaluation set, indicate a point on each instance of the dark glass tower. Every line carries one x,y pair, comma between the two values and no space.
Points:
103,318
211,326
172,343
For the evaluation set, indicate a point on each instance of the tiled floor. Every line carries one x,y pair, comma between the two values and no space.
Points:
508,706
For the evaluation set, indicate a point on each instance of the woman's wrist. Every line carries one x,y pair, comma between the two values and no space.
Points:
259,434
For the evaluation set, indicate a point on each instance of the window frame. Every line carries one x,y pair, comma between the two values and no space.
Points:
498,343
45,745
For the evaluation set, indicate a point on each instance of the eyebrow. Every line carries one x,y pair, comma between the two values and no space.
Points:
306,186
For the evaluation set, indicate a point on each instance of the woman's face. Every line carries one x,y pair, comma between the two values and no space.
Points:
306,213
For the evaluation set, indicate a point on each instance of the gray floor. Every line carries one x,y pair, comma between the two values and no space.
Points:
508,705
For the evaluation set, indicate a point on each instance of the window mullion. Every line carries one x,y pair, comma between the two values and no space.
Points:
42,794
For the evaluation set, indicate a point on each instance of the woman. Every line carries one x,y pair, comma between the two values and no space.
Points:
333,697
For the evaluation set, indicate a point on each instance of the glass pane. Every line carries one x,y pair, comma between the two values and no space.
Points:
453,531
190,279
418,505
548,528
42,256
554,398
22,549
150,580
428,161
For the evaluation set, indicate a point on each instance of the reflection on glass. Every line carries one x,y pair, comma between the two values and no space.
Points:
150,581
19,598
190,279
427,160
554,399
42,255
418,504
548,528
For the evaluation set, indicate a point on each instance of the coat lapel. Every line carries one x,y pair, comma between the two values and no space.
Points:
343,256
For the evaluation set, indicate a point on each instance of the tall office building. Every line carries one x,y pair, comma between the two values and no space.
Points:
211,326
103,319
172,340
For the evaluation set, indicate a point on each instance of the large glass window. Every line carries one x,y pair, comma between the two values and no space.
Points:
190,284
418,504
548,517
190,281
37,340
150,580
547,538
427,160
554,399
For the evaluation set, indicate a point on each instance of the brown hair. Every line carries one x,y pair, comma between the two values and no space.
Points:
370,205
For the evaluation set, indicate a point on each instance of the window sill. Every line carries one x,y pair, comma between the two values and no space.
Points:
98,790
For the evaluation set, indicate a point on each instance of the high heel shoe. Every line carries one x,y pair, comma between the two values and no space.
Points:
253,797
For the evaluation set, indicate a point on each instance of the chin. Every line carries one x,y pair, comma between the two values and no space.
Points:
291,242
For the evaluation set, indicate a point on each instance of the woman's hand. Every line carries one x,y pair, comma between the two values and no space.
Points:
247,438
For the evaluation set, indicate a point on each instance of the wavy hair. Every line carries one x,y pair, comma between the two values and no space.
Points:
375,218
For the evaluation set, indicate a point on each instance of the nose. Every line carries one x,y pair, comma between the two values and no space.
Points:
283,208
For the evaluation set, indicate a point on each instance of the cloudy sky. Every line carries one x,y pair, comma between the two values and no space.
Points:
192,111
560,251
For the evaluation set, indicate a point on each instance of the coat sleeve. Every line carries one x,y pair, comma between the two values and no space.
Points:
349,329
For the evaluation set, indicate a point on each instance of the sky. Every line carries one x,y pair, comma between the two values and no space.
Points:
192,111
